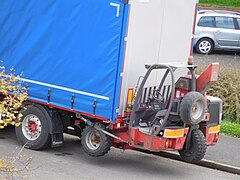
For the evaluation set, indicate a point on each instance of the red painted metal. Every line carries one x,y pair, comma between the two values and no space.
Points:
119,124
32,127
138,139
208,77
203,81
156,143
181,92
211,139
123,135
207,116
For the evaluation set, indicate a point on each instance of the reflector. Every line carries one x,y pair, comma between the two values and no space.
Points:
173,133
214,129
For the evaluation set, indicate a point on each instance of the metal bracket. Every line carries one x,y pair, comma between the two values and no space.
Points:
72,101
188,140
147,66
25,89
111,135
89,123
125,1
94,106
49,95
26,86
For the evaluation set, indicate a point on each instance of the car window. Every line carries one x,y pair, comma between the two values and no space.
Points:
225,22
206,21
238,20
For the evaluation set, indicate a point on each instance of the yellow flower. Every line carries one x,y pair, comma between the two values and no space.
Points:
8,169
17,124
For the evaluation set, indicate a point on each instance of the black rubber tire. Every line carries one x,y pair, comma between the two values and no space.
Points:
186,108
43,141
197,148
105,142
207,40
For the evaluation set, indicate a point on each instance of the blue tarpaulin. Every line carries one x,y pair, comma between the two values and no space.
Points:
71,50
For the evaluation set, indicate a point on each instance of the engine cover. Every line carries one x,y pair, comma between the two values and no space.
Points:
214,106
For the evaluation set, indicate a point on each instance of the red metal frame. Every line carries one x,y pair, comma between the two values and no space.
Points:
140,140
156,143
211,138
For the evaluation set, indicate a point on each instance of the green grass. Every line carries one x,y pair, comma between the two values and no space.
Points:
221,3
231,129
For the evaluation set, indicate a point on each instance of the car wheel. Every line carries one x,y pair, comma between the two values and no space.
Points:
204,46
197,149
33,132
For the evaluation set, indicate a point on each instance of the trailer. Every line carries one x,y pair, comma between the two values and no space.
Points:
117,72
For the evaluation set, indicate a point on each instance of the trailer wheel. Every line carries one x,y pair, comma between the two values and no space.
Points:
94,142
34,129
197,148
192,108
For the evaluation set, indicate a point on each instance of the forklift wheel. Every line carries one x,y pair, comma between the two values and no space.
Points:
192,108
94,142
197,149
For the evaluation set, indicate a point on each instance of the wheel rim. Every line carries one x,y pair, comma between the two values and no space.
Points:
197,109
93,140
31,127
205,46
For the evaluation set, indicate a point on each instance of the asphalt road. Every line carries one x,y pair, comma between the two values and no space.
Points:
70,162
226,59
225,151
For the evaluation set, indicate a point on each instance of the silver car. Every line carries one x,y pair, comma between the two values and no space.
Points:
217,30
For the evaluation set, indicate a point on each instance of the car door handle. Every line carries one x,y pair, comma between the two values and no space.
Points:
218,31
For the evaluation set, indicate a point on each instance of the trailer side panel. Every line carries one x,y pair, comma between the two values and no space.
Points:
68,51
160,31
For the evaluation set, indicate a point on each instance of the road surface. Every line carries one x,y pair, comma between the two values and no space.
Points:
70,163
226,59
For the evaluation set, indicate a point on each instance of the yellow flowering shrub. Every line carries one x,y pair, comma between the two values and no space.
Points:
12,95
